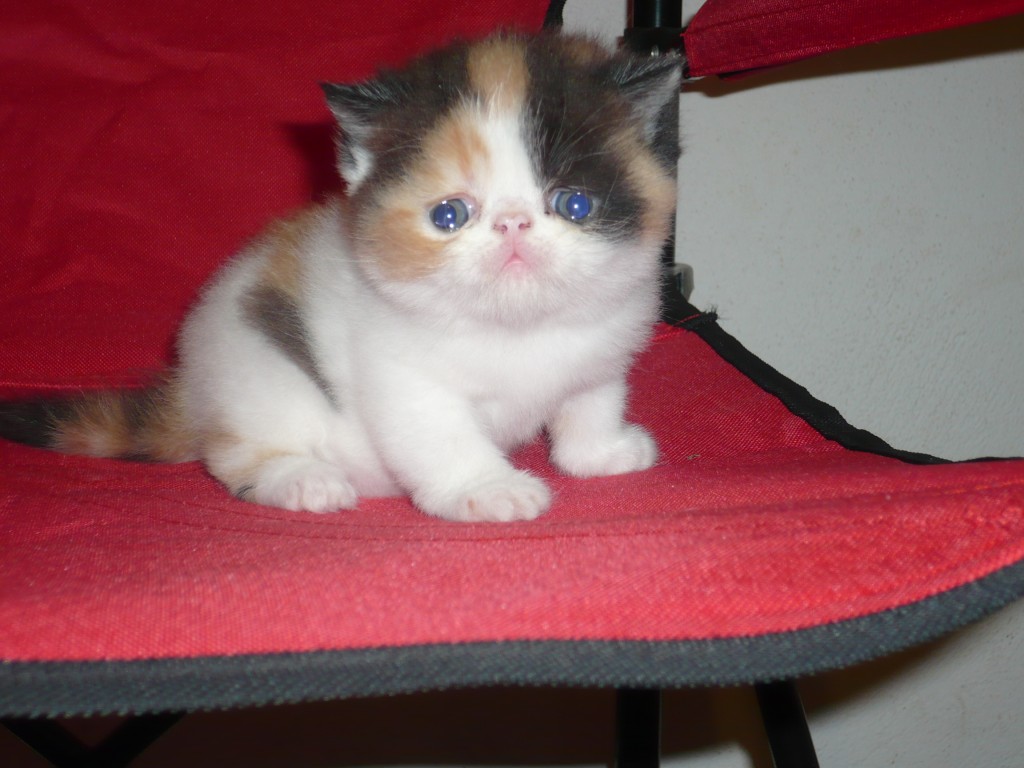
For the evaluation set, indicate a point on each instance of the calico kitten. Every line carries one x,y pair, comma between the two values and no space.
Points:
490,273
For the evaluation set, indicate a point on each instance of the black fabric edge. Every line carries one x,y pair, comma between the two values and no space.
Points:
55,689
821,416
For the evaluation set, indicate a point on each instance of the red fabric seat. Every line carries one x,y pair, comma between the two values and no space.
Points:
734,36
140,146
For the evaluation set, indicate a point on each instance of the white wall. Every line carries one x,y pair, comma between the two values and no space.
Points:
858,220
864,232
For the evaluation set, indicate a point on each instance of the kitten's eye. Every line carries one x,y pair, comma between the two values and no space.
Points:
571,204
450,215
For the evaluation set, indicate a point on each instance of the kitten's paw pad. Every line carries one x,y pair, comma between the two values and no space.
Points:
516,496
304,484
632,450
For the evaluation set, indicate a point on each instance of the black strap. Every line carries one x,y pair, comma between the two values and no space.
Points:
553,18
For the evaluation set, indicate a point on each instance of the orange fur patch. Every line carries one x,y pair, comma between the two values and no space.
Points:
498,73
141,424
96,427
285,241
583,51
403,249
652,182
167,433
453,154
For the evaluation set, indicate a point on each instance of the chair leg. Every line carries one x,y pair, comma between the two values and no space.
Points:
53,742
786,725
637,728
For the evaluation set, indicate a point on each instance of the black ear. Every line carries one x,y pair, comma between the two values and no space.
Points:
357,109
651,86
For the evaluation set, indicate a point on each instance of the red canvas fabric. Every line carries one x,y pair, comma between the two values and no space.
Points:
140,146
753,523
730,36
142,143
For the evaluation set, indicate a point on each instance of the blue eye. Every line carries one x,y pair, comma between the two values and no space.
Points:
450,215
571,204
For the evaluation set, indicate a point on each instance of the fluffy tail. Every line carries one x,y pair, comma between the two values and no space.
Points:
142,425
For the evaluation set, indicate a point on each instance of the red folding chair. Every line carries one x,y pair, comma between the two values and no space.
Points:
140,145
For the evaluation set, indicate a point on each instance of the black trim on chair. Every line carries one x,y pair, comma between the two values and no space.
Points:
820,415
55,689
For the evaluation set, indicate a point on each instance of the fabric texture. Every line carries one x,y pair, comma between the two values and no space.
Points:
143,143
753,523
732,36
140,147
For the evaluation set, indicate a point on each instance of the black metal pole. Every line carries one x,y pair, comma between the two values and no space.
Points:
637,728
656,26
786,725
656,13
53,742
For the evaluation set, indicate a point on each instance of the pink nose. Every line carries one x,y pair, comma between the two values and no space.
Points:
511,221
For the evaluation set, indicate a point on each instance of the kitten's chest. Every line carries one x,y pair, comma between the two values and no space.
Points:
517,384
528,366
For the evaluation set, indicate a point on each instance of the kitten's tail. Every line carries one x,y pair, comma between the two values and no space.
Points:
138,424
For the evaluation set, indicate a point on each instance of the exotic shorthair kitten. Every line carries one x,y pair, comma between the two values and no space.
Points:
490,274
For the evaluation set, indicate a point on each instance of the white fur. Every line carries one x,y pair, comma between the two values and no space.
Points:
439,376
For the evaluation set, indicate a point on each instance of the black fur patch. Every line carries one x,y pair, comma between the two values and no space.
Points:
273,313
650,84
245,492
33,422
389,115
574,111
576,104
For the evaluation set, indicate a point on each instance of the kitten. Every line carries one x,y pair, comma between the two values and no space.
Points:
489,275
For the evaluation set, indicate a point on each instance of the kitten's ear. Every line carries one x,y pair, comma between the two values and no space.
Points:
357,108
651,86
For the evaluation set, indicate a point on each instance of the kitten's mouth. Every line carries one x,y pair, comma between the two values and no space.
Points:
515,262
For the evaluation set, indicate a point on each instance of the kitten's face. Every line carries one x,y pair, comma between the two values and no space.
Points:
511,179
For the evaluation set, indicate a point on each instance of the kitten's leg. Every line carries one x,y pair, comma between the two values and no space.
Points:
590,437
439,453
278,478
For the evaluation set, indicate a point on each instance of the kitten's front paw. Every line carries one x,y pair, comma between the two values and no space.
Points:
301,483
515,496
632,450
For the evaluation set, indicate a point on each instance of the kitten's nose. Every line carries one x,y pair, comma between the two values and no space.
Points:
513,220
